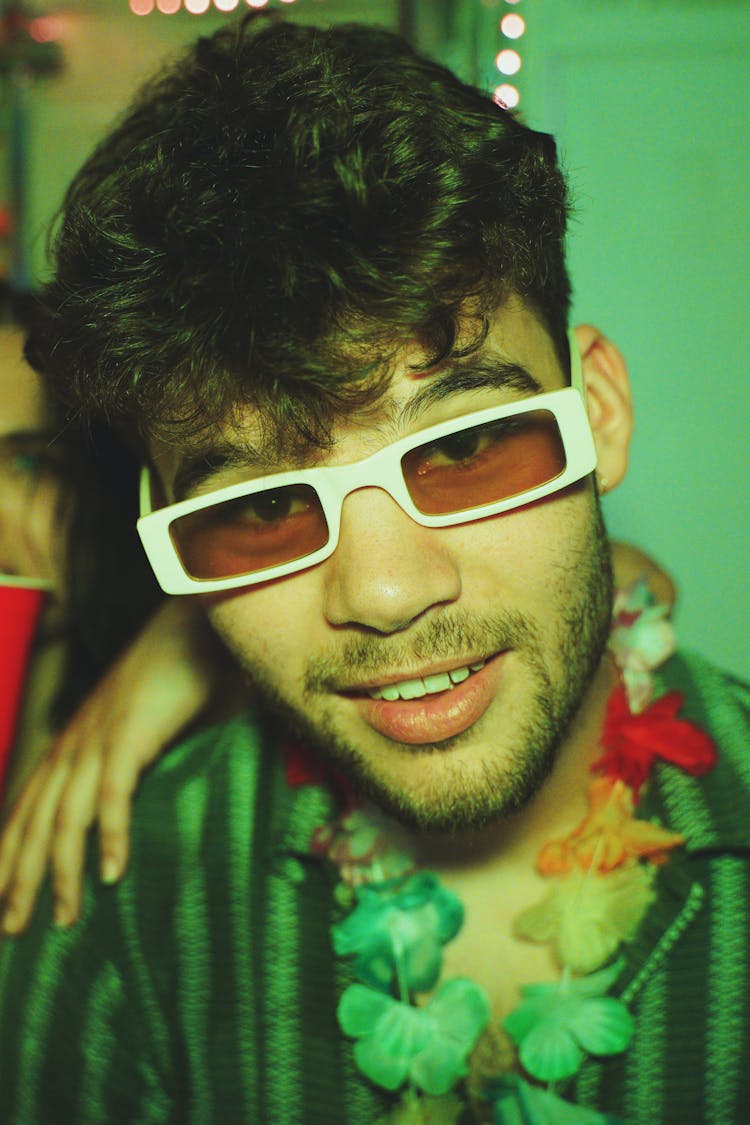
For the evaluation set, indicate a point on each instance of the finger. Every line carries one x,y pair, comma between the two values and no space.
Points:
75,814
118,782
29,870
15,826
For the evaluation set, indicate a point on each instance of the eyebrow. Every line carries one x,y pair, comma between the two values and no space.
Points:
479,374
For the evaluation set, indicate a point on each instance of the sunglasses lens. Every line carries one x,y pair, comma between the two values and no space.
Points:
485,464
251,533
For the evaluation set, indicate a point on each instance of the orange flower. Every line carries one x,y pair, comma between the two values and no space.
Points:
608,835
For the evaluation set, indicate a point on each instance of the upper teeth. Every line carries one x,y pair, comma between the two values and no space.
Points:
415,689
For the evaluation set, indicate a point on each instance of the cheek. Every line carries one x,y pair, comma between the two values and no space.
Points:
268,626
531,554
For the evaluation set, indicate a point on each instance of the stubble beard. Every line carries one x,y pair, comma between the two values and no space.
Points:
559,671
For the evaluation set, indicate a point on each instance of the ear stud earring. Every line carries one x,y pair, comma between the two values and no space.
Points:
602,484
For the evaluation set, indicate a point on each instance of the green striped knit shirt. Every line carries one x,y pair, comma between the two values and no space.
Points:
203,988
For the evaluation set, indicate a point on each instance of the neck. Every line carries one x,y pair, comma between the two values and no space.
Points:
554,810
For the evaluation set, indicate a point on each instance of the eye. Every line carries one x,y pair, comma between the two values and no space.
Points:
276,504
29,457
29,462
459,447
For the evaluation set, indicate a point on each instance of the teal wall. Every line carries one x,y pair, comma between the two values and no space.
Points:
649,101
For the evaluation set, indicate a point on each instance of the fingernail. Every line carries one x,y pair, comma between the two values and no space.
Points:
110,872
64,916
11,919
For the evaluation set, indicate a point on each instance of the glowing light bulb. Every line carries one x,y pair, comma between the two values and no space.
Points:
196,7
512,26
507,96
168,7
257,3
46,29
508,62
226,5
141,7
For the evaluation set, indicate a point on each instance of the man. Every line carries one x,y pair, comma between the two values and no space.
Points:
321,283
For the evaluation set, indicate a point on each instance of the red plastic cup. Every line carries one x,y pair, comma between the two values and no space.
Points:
21,601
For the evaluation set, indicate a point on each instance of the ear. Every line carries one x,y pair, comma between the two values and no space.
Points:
609,403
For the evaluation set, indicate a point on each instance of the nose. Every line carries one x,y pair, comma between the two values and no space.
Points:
386,570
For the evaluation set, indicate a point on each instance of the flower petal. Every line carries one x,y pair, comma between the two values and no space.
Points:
360,1009
388,1071
586,915
461,1007
550,1053
386,1054
458,1013
518,1103
437,1069
603,1026
597,984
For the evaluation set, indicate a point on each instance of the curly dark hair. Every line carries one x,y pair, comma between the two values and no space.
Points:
276,213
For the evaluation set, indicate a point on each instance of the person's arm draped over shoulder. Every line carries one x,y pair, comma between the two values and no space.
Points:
165,678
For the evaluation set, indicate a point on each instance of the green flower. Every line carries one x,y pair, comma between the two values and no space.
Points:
515,1102
398,929
557,1024
427,1045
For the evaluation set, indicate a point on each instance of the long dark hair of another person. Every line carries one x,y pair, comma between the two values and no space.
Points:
111,590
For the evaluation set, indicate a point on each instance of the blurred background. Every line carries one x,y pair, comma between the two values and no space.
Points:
649,102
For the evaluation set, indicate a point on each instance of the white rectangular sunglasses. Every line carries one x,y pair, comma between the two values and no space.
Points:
477,465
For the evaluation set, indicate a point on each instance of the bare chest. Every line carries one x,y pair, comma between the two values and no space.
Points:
487,951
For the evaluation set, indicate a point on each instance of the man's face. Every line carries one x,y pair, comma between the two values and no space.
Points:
506,616
30,488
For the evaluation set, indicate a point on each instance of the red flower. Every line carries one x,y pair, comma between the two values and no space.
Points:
632,743
302,766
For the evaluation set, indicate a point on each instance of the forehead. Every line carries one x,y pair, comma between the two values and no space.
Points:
515,337
22,405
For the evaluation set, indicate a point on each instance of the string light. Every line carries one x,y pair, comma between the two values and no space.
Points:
46,29
508,60
194,7
507,95
512,25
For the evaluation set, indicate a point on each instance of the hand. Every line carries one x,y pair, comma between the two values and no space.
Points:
162,682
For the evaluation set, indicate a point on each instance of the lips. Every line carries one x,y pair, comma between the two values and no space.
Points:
437,717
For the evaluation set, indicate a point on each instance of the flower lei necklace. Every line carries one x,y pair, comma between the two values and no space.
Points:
601,878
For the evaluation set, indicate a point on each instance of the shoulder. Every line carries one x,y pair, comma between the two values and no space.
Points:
714,698
208,801
712,811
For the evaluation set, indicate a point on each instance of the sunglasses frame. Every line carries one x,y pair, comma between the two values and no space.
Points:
333,483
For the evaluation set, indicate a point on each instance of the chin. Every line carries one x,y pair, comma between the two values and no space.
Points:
447,789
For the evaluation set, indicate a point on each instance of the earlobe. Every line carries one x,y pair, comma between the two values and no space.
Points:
608,401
